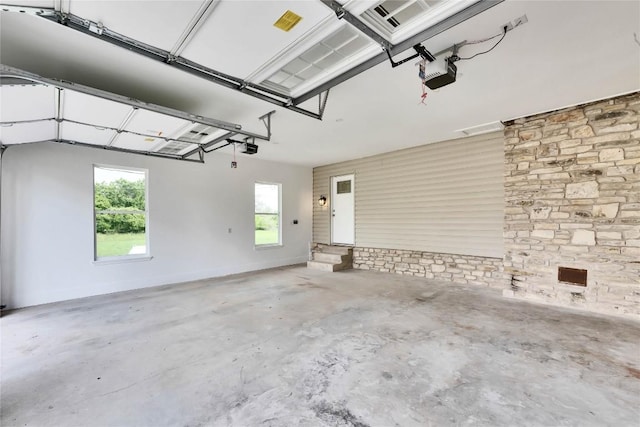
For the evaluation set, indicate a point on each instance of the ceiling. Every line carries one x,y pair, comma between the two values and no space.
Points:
569,52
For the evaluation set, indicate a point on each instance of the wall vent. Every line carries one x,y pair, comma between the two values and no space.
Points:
572,276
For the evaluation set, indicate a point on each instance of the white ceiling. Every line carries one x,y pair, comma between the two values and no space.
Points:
568,53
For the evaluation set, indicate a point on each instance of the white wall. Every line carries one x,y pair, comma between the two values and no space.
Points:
47,223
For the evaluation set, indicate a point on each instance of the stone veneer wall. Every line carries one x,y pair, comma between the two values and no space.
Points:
572,192
456,268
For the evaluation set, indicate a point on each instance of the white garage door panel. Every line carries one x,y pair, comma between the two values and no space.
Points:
141,20
29,102
91,109
156,124
91,116
28,132
87,134
211,48
132,141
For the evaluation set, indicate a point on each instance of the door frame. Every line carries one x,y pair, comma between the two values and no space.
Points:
331,205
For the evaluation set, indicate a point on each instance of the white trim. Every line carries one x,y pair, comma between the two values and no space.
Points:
122,259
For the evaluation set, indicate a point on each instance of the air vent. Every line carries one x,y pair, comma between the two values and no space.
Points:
572,276
197,133
397,20
329,53
480,129
174,147
392,14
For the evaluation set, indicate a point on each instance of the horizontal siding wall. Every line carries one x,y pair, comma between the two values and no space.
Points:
444,198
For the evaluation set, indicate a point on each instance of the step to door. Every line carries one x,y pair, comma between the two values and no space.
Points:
331,258
328,266
328,249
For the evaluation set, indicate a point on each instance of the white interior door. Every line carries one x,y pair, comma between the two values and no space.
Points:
343,210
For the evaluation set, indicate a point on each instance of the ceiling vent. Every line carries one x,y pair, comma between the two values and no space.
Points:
397,20
480,129
329,53
392,14
174,147
196,134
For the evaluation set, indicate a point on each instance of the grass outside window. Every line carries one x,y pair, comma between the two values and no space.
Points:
109,245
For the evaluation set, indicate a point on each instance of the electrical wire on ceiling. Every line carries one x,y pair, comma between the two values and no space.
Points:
458,58
482,40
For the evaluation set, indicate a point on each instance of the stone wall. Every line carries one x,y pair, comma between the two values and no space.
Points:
572,193
455,268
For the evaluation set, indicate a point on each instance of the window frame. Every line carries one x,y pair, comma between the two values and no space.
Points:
126,257
268,245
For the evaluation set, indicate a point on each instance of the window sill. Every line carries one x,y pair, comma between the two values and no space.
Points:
273,246
122,260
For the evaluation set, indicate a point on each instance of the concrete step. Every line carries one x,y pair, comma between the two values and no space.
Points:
320,265
329,257
328,266
329,249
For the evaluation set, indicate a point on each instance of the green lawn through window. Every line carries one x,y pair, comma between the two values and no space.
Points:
118,244
266,237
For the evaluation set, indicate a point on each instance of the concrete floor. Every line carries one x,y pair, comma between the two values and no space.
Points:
293,346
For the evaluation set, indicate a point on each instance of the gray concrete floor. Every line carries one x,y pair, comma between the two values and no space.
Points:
293,346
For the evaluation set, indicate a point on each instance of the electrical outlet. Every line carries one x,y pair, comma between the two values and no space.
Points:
520,21
509,26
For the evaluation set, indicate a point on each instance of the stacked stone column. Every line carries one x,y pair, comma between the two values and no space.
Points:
572,199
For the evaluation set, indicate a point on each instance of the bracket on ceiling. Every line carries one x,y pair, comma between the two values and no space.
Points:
202,149
421,52
172,58
322,102
266,120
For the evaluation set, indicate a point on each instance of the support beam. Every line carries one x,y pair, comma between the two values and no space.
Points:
124,150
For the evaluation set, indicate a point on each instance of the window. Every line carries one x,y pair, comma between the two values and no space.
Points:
267,214
344,187
120,212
